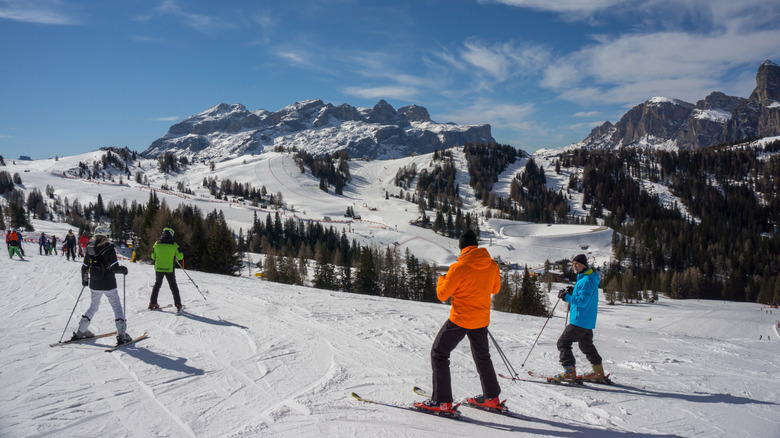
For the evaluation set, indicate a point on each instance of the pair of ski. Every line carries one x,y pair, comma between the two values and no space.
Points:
104,335
541,378
454,416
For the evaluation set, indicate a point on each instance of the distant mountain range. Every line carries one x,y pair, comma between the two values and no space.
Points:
674,124
226,131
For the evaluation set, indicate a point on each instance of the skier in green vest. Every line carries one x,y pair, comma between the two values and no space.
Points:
163,254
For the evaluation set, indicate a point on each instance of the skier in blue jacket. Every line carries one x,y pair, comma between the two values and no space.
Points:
584,300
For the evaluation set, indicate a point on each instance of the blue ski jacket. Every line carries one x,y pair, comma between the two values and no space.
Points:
584,300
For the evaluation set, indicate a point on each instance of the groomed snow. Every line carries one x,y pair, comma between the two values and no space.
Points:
262,359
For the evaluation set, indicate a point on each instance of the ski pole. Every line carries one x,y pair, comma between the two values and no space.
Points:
71,312
193,281
124,296
503,356
540,333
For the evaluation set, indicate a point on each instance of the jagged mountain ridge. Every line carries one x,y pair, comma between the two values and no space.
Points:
226,131
675,124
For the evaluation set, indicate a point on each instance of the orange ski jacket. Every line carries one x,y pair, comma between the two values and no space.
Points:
471,282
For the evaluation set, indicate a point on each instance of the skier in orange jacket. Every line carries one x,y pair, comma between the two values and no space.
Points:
471,282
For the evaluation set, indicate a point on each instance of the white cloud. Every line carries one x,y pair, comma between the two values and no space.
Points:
499,115
167,119
586,114
36,11
500,61
569,7
383,92
199,22
635,67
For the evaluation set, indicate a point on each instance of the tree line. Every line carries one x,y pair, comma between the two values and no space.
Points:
719,241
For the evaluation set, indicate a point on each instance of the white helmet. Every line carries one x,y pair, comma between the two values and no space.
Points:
102,232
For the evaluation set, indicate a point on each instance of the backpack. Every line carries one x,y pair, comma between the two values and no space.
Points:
94,258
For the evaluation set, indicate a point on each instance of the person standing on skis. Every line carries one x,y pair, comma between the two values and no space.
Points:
164,252
584,300
98,272
12,240
70,246
53,244
471,282
43,245
83,242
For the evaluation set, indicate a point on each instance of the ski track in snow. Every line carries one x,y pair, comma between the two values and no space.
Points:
263,359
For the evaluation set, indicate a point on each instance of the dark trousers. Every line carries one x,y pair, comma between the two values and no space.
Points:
171,277
448,338
584,338
70,253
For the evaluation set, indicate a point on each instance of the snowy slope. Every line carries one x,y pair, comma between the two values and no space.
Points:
383,221
261,359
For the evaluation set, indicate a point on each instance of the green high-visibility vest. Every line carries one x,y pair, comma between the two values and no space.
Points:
163,254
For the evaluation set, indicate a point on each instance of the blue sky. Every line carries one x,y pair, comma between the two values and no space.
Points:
78,75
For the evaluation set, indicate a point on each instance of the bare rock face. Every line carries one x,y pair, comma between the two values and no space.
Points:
716,119
226,131
758,115
415,113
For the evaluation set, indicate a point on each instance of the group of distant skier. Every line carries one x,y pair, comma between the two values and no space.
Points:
470,282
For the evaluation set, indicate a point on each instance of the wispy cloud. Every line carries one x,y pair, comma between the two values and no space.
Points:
202,23
685,49
37,11
499,115
567,7
632,68
586,114
383,92
166,119
495,62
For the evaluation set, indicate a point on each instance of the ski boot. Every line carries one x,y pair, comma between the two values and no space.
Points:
569,375
179,308
597,375
121,334
154,306
434,407
83,331
488,404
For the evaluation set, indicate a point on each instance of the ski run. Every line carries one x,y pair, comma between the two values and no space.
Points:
265,359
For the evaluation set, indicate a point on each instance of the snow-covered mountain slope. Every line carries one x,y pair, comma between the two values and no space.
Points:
262,359
383,221
381,132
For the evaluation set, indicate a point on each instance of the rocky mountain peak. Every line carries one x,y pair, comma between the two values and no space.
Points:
718,118
384,113
767,84
415,113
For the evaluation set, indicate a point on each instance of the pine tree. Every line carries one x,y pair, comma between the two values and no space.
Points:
503,300
345,278
365,278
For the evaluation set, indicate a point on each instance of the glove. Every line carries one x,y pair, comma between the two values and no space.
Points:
120,270
569,289
84,279
562,294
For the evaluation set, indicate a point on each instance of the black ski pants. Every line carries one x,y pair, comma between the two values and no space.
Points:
448,338
584,337
171,277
